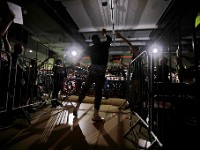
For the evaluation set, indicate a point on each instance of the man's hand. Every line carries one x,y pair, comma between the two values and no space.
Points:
118,34
104,31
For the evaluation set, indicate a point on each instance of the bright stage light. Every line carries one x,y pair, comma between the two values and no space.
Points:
74,53
155,50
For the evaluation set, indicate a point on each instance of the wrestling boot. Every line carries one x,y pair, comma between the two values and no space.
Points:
96,116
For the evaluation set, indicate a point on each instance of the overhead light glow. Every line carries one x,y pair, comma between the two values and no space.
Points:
74,53
155,50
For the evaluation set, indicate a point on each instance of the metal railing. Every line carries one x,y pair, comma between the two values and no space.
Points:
140,101
5,72
19,88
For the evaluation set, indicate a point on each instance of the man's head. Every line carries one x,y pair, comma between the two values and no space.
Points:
164,60
18,48
96,39
58,61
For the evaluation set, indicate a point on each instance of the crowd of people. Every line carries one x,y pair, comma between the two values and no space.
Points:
6,19
18,78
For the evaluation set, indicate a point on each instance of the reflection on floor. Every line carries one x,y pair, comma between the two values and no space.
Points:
58,129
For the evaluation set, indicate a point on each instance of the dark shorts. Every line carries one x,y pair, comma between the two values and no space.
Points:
97,70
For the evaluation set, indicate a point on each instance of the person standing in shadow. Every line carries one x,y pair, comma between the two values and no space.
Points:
59,74
163,70
18,74
98,53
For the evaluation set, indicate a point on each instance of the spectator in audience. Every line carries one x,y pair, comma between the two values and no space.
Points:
60,73
17,74
6,19
32,80
162,73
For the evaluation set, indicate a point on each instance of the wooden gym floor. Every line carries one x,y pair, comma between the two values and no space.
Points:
57,128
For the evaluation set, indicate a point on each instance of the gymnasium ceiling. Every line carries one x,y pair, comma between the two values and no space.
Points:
63,25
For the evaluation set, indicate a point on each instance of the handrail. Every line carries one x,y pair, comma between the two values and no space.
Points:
144,89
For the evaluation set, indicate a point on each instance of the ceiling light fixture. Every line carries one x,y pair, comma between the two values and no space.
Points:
74,53
156,50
